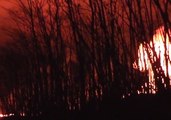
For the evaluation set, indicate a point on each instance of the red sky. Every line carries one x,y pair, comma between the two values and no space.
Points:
4,18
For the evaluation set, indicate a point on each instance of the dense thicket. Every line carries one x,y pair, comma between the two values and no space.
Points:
69,53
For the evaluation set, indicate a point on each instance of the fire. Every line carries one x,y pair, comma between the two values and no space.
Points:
6,115
158,48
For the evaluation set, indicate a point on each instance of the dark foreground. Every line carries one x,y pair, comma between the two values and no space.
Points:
141,107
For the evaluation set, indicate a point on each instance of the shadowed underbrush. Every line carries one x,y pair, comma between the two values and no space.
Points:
141,107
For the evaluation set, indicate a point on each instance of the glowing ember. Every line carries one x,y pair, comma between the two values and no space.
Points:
11,114
159,48
6,115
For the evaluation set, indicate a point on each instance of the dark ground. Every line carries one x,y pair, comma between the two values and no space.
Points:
141,107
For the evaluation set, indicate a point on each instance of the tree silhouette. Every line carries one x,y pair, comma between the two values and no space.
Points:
68,54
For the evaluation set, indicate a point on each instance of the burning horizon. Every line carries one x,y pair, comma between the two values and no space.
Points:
71,55
159,48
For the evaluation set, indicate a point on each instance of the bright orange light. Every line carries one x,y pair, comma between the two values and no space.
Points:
6,115
159,45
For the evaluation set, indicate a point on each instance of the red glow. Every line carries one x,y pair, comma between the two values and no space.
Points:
144,64
6,115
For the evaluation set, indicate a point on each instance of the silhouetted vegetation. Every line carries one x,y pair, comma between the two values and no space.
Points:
70,57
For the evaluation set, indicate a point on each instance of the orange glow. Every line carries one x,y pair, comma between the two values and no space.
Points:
157,48
5,21
6,115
